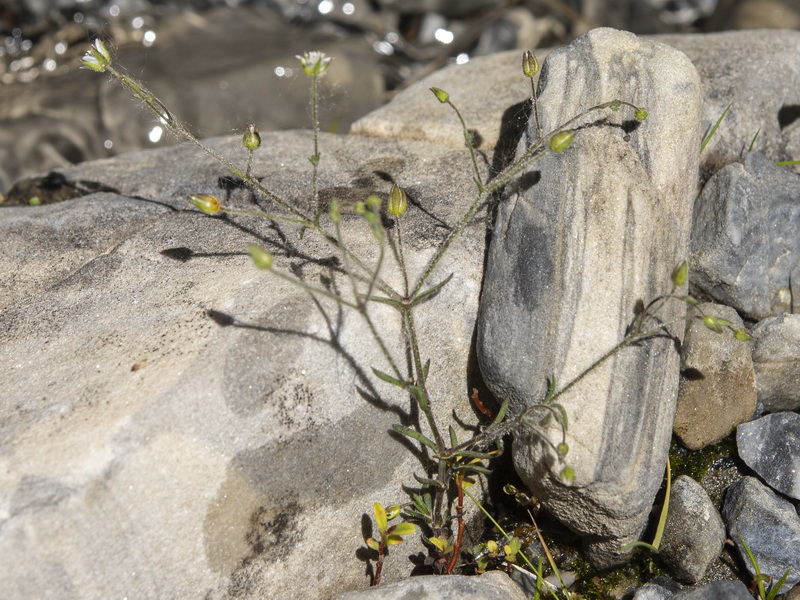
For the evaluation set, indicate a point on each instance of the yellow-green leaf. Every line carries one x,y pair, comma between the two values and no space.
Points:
380,516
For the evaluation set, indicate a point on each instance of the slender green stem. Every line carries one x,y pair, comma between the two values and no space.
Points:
420,377
314,290
470,143
315,157
535,102
263,215
345,260
374,278
177,128
401,258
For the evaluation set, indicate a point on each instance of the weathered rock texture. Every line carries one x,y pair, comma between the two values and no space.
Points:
771,447
493,585
176,423
717,388
776,359
569,259
694,534
768,524
745,245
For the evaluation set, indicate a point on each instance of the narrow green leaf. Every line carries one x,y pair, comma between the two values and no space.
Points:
713,130
662,519
480,455
474,469
776,588
753,142
415,435
562,414
430,482
501,414
425,368
785,163
423,503
453,437
389,379
632,545
430,292
414,514
382,300
551,390
419,396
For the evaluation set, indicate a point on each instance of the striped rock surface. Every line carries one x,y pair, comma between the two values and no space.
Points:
601,228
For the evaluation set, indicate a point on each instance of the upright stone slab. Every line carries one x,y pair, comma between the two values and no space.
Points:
570,256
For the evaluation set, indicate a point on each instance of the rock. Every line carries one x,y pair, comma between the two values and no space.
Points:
694,534
493,585
660,588
776,359
176,423
744,239
717,388
412,116
771,447
766,14
793,594
769,526
569,259
716,590
732,67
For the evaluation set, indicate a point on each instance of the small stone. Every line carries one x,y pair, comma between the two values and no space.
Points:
717,389
494,585
716,590
771,447
776,359
694,534
661,588
768,524
744,237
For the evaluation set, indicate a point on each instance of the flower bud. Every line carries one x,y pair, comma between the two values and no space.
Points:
206,202
742,335
562,449
335,212
561,141
97,58
567,474
398,201
261,258
530,66
680,274
712,323
640,114
441,95
251,138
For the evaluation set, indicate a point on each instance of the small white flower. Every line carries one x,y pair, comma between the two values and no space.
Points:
97,58
314,63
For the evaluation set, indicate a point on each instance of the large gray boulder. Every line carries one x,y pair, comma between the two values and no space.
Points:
176,423
569,259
